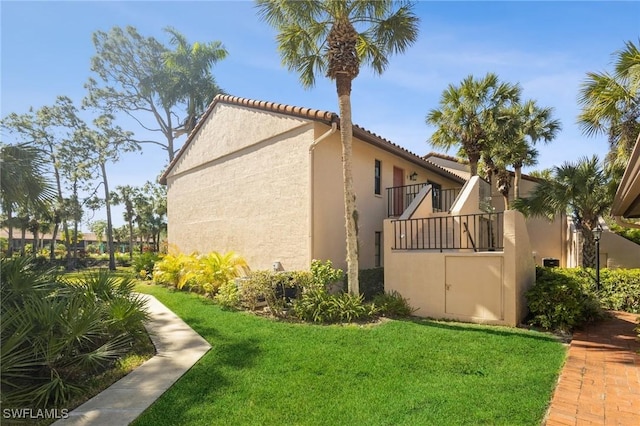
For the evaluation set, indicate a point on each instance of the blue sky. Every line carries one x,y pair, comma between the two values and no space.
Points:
546,47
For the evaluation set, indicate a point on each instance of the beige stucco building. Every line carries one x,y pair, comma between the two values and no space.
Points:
265,180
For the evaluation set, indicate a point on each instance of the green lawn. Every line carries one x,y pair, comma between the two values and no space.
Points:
264,372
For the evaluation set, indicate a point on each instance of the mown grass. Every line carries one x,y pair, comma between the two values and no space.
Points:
261,371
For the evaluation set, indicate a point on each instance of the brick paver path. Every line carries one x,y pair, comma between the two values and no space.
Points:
600,382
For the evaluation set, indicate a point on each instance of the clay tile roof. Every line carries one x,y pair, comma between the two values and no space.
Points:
446,157
326,117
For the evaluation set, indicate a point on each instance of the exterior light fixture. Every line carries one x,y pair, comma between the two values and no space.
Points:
413,176
597,234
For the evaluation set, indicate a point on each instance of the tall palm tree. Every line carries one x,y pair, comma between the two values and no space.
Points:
335,37
467,115
23,181
190,66
611,105
520,127
516,153
580,189
125,195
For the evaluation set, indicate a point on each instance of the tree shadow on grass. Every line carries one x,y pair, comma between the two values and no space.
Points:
479,328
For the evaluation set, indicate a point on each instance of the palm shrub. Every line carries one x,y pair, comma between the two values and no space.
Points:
216,269
176,270
55,334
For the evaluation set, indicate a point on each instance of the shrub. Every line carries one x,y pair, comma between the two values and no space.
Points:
228,295
620,289
144,263
560,301
325,275
215,270
175,270
317,305
393,305
56,334
371,282
276,289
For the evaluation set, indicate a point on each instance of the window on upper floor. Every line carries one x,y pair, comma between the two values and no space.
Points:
377,179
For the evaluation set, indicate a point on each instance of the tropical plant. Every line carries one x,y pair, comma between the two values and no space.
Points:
580,189
217,269
190,66
125,195
148,81
336,37
176,270
50,129
520,127
56,334
468,113
611,105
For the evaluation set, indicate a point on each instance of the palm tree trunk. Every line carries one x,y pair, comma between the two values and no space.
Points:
112,258
9,232
130,238
588,248
52,244
516,182
343,85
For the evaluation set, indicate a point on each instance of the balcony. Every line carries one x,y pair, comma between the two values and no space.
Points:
400,197
477,232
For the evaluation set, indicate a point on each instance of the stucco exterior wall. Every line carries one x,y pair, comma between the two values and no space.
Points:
485,287
243,185
328,226
618,252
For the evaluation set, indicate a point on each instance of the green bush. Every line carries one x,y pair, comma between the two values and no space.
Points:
631,234
216,269
143,264
325,275
317,305
371,282
393,305
620,289
276,289
560,300
56,334
228,295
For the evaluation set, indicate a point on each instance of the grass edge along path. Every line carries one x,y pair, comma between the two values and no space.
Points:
261,371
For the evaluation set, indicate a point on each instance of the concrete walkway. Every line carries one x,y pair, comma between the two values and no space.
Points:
600,382
178,348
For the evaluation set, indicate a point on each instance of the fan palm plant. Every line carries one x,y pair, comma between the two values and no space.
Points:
336,37
580,189
467,115
611,105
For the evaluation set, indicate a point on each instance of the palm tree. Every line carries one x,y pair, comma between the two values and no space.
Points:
190,66
23,182
126,195
520,127
335,37
611,105
580,189
516,153
467,115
